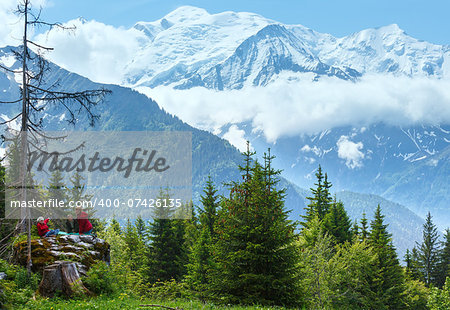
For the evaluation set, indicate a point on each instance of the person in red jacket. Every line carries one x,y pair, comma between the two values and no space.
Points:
85,227
43,229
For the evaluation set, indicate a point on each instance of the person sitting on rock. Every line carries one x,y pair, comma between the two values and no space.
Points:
43,229
85,227
71,225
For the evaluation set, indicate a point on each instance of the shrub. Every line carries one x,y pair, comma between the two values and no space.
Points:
18,287
101,279
440,299
416,294
3,265
168,290
23,281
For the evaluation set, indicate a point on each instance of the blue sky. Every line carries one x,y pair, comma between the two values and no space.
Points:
426,20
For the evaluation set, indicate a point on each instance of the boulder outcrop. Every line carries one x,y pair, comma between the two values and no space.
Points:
83,250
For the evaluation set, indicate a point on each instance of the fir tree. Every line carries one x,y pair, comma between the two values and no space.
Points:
135,250
115,226
192,229
415,266
56,188
364,233
388,285
200,266
412,264
337,223
320,200
6,225
140,227
428,251
166,253
408,261
208,214
355,230
255,254
77,189
180,248
443,269
200,257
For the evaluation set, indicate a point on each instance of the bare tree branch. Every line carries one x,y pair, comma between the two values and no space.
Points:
40,46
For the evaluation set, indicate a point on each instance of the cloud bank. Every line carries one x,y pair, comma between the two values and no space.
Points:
11,25
285,108
97,51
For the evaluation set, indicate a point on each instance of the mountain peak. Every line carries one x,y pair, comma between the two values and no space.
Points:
186,13
392,28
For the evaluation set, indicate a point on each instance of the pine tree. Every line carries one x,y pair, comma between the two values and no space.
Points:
201,255
115,226
77,189
6,225
364,233
201,264
255,254
355,230
443,269
56,188
166,254
140,227
192,229
180,248
208,215
320,200
412,268
388,286
337,223
415,266
135,250
428,251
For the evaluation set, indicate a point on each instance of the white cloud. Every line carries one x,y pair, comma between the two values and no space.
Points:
304,107
351,152
94,50
11,25
236,137
313,149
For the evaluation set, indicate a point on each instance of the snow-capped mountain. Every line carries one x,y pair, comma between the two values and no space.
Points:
386,49
190,47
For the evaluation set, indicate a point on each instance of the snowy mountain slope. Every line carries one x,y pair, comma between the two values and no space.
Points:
382,50
264,55
190,47
188,40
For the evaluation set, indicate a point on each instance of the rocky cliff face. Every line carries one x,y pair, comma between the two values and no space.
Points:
84,250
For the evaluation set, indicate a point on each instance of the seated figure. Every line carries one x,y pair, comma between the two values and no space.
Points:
43,229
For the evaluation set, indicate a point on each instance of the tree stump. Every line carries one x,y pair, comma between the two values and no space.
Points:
62,277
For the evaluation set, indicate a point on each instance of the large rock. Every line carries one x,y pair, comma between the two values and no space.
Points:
83,250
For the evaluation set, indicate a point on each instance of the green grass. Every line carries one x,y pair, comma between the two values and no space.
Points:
124,301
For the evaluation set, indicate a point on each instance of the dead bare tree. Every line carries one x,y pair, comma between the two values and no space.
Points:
37,94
